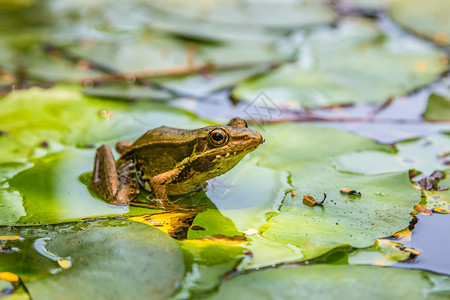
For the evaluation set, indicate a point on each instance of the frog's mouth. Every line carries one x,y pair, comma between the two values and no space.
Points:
234,153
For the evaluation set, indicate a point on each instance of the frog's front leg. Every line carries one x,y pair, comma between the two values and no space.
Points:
117,187
158,185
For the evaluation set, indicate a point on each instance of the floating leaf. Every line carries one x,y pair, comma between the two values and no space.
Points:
438,108
207,261
332,282
382,253
363,5
429,19
109,259
421,155
291,231
236,20
340,65
291,14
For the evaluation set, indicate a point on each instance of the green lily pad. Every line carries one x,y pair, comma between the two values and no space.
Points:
383,253
352,63
206,262
291,14
204,84
127,91
162,55
190,86
108,259
421,155
428,19
332,282
241,201
438,108
382,210
282,229
364,4
12,207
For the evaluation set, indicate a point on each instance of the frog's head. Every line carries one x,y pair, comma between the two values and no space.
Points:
221,147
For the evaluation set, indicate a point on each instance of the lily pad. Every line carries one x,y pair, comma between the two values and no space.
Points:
281,228
108,259
207,260
428,19
332,282
354,62
169,87
290,14
421,155
365,5
383,253
438,108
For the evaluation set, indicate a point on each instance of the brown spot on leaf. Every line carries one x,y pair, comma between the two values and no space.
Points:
196,227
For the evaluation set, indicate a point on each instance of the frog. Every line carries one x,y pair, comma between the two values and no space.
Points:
170,161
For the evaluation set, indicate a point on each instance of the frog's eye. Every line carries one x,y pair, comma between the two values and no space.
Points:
218,136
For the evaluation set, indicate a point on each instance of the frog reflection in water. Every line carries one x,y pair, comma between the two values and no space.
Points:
171,161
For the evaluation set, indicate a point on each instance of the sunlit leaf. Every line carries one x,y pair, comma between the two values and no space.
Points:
172,223
8,276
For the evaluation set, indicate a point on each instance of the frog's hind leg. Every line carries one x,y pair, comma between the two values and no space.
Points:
117,187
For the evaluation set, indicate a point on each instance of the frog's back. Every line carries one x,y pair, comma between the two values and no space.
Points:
160,150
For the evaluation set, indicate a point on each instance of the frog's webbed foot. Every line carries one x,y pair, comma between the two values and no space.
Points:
117,187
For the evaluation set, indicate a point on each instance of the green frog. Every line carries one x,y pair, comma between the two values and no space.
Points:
171,161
